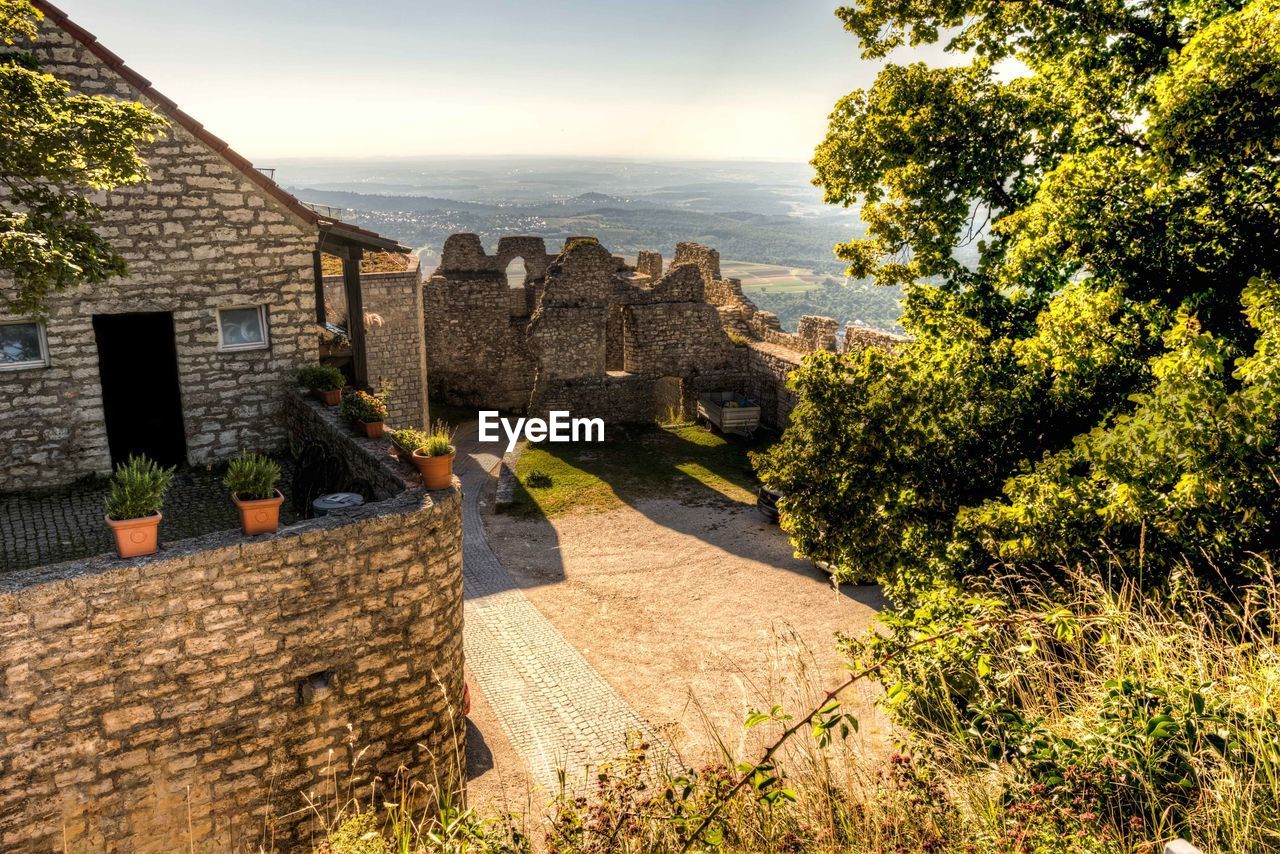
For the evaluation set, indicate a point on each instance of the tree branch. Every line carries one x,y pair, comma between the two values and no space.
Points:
835,692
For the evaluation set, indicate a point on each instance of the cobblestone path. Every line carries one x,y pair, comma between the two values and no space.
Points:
556,710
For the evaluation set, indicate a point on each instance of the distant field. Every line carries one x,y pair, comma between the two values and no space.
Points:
766,277
771,278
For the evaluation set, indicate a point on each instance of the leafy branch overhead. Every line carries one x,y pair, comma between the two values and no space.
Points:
59,148
1073,136
1097,387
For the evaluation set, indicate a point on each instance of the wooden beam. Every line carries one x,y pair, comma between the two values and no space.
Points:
337,250
355,317
318,269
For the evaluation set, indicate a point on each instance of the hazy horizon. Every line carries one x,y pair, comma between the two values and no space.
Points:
713,80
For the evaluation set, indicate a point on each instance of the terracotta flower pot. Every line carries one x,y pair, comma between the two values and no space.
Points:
136,537
372,429
437,472
259,516
331,397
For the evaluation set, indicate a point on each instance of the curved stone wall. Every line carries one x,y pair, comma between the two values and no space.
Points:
186,701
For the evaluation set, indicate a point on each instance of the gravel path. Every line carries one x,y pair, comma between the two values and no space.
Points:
556,710
696,611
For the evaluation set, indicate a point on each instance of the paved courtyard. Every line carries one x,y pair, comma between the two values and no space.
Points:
671,617
56,525
553,707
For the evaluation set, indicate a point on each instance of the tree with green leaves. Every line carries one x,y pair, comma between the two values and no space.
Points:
1095,388
57,148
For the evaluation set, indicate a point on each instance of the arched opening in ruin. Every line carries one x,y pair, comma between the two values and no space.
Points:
517,284
517,273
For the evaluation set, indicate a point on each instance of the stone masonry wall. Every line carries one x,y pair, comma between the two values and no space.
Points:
186,701
197,236
475,322
668,339
768,366
649,264
394,341
568,329
857,337
605,339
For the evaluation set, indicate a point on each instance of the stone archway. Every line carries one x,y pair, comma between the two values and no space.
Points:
519,292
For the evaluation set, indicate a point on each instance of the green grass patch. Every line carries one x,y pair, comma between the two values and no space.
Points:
637,462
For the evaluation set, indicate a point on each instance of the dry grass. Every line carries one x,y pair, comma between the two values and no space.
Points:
374,262
939,794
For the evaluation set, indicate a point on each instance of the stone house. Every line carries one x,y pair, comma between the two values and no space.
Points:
188,357
188,700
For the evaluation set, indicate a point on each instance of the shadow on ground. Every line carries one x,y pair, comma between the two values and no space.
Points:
638,467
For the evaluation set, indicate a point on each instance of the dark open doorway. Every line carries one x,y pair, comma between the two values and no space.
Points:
138,363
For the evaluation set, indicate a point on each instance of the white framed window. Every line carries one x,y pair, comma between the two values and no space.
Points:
23,345
243,328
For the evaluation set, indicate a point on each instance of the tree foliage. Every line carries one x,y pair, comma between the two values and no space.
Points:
1100,385
57,148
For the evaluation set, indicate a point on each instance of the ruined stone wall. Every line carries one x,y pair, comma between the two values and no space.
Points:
768,366
187,700
394,339
663,339
617,398
816,334
667,330
477,350
704,258
603,336
567,334
857,337
614,355
197,236
649,264
739,313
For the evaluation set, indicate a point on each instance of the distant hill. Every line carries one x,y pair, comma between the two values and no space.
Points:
377,202
623,226
760,213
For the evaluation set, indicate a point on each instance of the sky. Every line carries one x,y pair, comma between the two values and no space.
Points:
694,79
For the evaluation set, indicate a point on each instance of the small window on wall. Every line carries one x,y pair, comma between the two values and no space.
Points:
242,328
22,345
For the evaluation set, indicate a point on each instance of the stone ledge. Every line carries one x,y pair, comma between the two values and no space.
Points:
395,476
505,492
410,502
401,486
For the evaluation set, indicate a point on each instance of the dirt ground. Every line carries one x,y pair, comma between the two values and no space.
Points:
695,611
498,784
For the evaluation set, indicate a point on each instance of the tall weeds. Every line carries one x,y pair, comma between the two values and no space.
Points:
1085,718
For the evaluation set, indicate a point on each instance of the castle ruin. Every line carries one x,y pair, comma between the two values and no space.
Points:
589,333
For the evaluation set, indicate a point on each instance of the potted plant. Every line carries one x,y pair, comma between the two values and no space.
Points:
434,457
134,503
366,411
252,479
406,441
324,382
